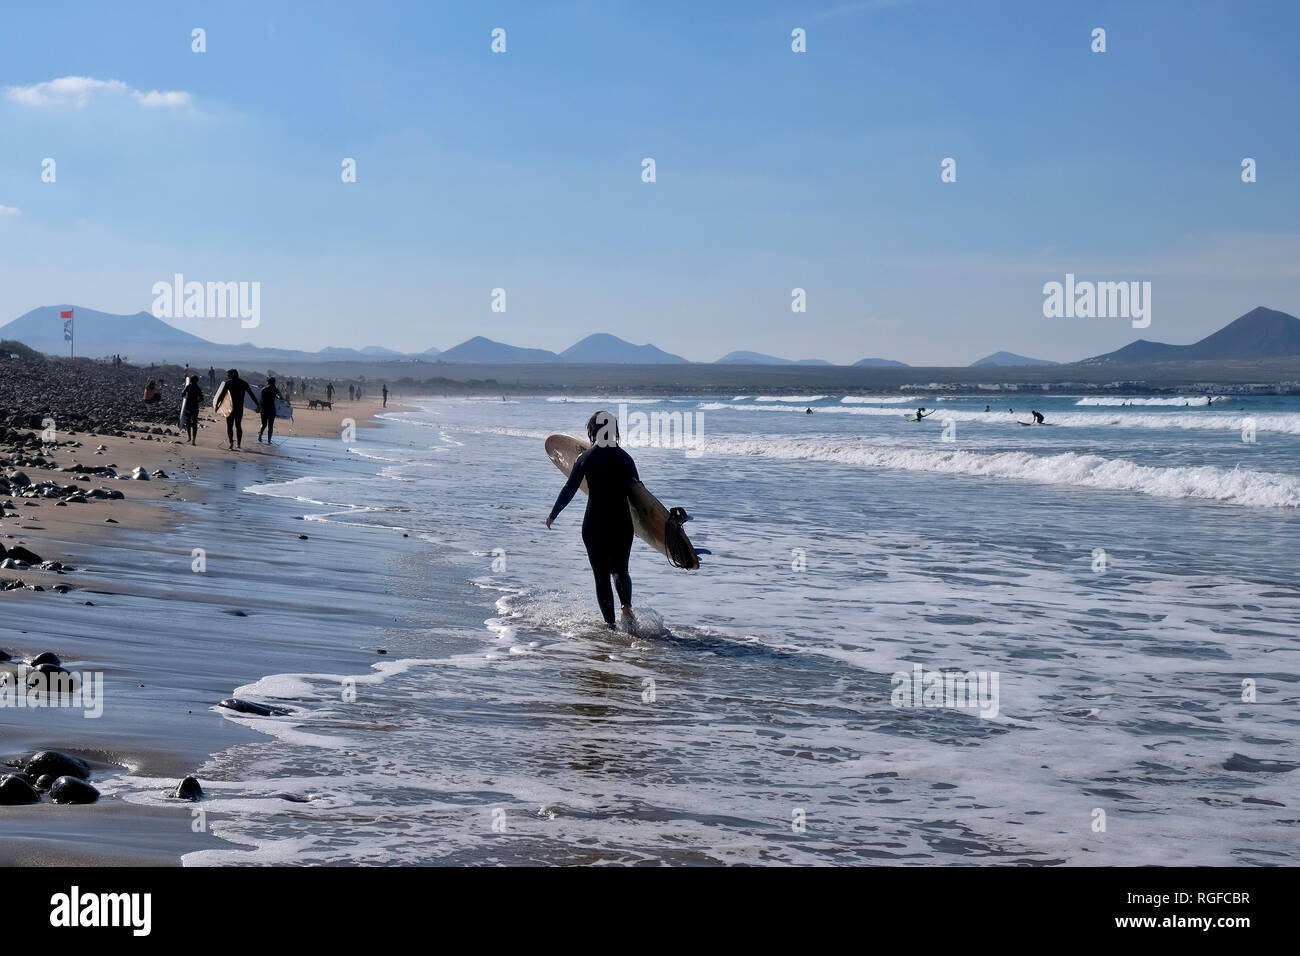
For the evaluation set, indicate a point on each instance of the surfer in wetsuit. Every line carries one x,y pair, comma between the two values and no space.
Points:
920,413
238,390
1038,417
607,524
269,394
191,396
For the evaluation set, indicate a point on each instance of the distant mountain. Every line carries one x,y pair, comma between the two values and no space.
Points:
144,338
882,363
1009,358
99,333
335,353
758,358
486,352
1259,334
751,358
601,348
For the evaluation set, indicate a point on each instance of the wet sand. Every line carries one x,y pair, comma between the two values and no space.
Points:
169,639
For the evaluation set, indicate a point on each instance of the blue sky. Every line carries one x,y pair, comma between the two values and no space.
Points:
775,170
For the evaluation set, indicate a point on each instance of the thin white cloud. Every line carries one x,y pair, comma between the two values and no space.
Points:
77,91
10,211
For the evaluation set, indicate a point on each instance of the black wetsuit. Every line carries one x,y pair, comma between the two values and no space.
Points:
269,394
238,390
607,525
192,397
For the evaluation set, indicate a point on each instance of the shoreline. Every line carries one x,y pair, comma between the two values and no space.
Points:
137,614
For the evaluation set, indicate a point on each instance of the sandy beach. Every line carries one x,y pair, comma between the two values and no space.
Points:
130,606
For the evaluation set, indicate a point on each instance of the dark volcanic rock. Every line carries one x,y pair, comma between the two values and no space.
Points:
189,789
72,790
15,790
57,763
44,658
18,553
249,707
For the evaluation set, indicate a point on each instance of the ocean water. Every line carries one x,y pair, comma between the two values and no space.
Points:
1123,584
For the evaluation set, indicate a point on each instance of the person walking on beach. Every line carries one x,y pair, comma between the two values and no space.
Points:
238,390
269,394
191,397
352,393
212,377
385,396
329,392
607,524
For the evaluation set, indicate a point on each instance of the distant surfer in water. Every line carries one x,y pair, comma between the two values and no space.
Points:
1038,417
191,397
607,524
920,413
269,394
238,390
807,411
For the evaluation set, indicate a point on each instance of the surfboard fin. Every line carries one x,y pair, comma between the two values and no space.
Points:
678,546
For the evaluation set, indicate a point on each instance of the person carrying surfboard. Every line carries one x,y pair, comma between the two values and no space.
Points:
607,525
235,389
191,397
269,394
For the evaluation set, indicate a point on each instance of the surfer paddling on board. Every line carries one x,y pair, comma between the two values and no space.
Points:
1038,417
607,524
236,389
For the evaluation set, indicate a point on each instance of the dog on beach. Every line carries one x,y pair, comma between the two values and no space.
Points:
314,403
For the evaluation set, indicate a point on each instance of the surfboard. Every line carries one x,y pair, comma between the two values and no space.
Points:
180,420
227,406
653,523
283,409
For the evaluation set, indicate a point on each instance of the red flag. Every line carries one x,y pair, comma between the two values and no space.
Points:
66,315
